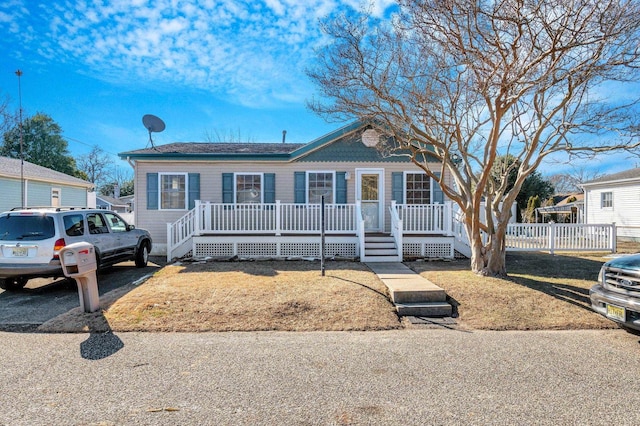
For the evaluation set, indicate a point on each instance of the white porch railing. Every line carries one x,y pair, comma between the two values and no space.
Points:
268,219
424,218
396,230
360,230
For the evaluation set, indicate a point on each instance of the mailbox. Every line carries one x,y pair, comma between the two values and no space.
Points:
78,259
79,262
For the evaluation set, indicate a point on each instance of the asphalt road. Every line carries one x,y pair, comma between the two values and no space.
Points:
403,377
45,298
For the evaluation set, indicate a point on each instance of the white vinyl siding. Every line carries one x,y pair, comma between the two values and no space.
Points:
624,208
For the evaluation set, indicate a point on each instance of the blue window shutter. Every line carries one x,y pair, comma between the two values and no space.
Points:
299,187
341,188
227,187
194,189
397,188
269,188
152,191
438,195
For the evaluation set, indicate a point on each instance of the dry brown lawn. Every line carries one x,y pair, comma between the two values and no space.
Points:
543,292
244,296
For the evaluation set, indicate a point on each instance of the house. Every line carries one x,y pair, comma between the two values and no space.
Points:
129,201
615,198
40,186
566,208
109,203
263,199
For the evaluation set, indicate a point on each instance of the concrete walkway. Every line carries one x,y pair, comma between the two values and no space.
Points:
412,294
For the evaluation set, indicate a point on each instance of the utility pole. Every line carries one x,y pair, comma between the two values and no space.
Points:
19,74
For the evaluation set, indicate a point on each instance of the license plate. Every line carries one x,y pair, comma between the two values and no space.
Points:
20,252
616,313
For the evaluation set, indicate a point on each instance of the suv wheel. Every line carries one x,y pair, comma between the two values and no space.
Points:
14,283
142,256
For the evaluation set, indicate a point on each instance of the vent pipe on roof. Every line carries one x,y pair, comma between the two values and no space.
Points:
284,136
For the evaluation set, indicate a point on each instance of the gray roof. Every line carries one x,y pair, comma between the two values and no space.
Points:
221,148
112,201
624,175
10,167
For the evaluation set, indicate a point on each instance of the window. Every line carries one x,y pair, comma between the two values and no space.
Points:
55,197
115,223
606,200
248,188
319,184
418,188
73,225
97,224
173,191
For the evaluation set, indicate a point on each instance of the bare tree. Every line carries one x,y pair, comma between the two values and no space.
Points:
572,180
95,164
8,118
457,84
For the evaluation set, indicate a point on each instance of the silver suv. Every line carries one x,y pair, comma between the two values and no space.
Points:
30,240
617,294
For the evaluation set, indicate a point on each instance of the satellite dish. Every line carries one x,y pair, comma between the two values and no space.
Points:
152,124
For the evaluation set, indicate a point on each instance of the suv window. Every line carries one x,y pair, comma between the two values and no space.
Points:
73,225
28,228
97,225
115,223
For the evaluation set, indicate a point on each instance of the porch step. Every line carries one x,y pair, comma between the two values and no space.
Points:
432,309
380,248
380,251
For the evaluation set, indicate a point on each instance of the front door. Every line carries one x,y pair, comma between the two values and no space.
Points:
369,191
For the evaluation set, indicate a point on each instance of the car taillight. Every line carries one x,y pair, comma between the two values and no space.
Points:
57,246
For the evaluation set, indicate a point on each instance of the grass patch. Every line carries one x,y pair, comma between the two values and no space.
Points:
543,292
246,296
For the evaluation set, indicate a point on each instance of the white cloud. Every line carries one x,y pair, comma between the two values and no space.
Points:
248,52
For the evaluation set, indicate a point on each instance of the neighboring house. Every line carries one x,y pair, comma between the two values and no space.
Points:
615,199
109,203
129,201
40,186
262,199
566,208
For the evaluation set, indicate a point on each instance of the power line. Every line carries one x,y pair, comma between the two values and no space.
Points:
87,144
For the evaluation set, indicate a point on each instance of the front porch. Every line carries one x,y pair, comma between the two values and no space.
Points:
285,230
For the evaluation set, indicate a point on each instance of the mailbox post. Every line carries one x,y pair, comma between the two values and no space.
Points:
79,262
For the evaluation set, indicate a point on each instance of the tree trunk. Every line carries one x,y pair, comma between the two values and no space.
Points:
488,259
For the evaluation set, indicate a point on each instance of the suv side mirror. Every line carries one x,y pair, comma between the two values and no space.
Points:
130,227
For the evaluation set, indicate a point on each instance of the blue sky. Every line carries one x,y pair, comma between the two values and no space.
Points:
212,66
224,67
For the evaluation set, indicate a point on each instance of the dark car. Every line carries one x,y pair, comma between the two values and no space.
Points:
617,294
31,239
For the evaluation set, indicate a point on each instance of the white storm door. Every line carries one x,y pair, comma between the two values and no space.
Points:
369,191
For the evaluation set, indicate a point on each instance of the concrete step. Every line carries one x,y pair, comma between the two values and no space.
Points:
432,309
421,295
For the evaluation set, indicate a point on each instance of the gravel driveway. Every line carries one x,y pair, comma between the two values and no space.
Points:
404,377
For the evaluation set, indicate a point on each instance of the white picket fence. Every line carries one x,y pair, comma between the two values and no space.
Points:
554,237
